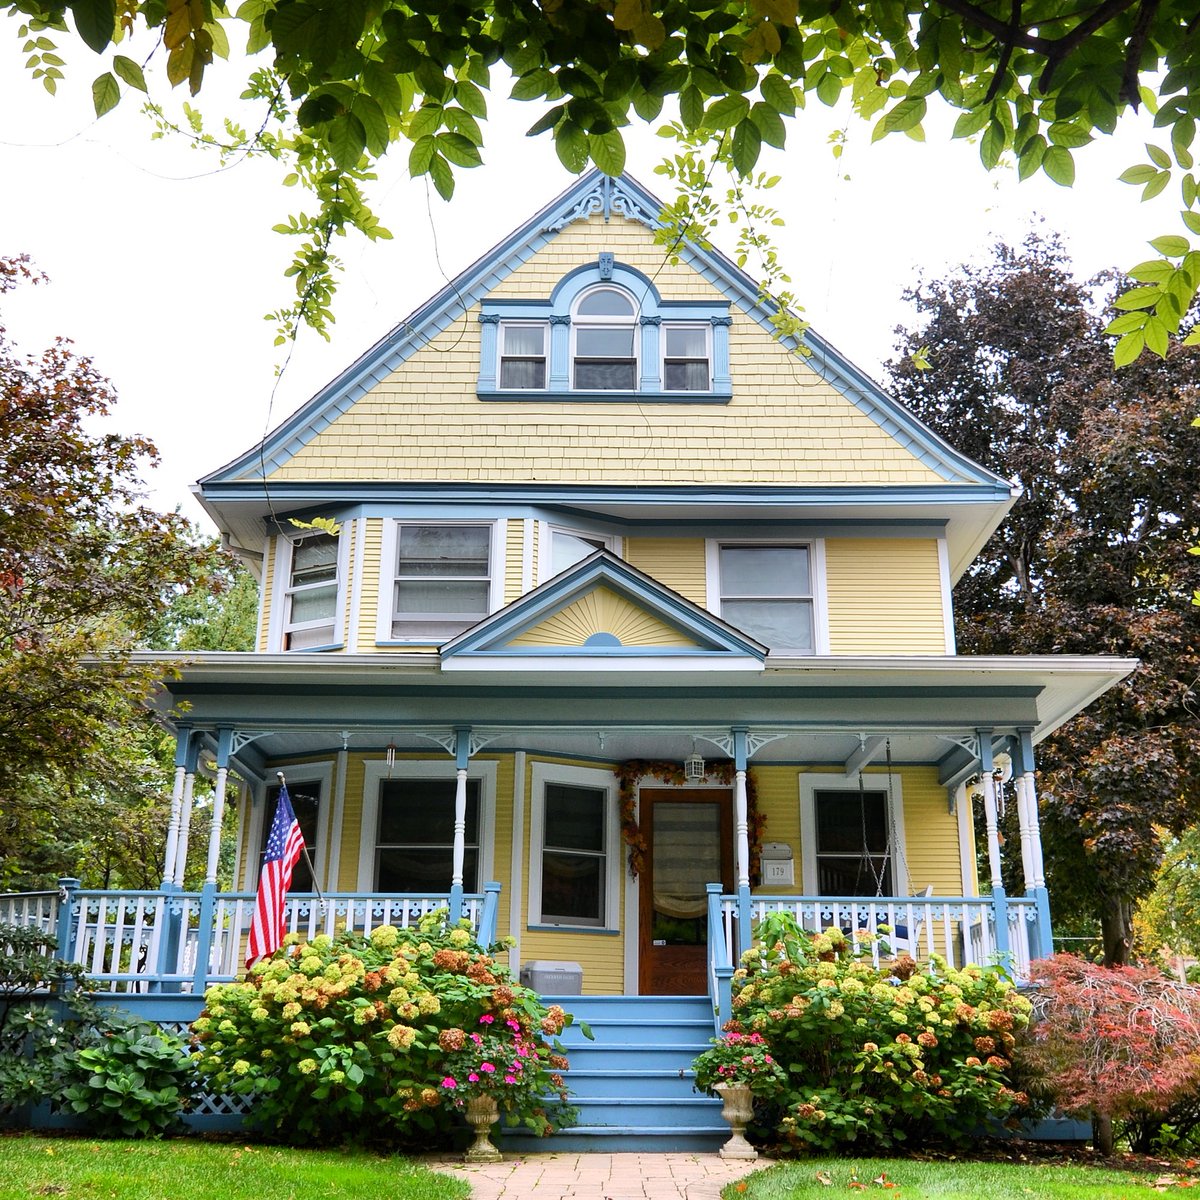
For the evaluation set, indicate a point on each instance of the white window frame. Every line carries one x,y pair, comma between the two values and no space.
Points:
606,322
546,570
707,330
588,777
387,577
285,546
501,335
377,772
329,818
810,784
816,564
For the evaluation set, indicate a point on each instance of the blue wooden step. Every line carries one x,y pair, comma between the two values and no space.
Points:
633,1084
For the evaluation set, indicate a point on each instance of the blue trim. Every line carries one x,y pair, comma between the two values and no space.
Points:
573,929
492,635
569,397
592,192
602,639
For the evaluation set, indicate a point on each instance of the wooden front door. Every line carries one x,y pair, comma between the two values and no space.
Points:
689,844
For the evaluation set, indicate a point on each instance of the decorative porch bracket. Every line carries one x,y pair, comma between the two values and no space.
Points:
741,744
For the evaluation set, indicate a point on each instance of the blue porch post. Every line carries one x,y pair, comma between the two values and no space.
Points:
208,893
187,757
67,887
1042,934
999,898
462,759
486,935
741,829
720,981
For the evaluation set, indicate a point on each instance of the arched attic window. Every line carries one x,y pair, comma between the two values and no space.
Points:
604,346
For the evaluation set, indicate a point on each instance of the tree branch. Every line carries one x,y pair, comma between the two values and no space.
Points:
1070,41
1014,27
1133,55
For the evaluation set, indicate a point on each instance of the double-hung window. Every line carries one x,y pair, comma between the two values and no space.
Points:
443,579
310,604
767,592
853,851
572,880
604,329
687,358
522,353
414,836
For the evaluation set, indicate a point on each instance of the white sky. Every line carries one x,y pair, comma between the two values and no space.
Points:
162,267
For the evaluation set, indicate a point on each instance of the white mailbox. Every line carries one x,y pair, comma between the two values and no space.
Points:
778,865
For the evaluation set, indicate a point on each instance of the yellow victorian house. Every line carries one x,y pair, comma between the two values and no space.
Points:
623,624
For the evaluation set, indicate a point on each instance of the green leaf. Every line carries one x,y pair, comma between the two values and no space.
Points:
1191,220
770,125
747,144
1128,348
647,105
1059,165
571,146
129,71
1030,158
533,85
1160,158
471,98
777,92
461,151
1172,245
421,155
1127,322
607,151
106,93
1138,174
691,107
442,176
725,113
908,114
458,120
991,145
1069,134
829,89
374,123
346,139
1156,185
1153,270
95,20
1139,297
546,121
427,119
970,122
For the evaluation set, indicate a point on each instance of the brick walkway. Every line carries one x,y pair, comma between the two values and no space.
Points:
599,1176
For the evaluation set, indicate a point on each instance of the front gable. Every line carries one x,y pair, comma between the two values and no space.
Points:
423,405
605,613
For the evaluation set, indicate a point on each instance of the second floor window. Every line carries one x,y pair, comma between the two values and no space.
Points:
522,357
311,603
686,358
767,592
605,357
443,579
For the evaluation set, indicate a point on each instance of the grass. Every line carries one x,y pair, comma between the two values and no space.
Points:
80,1169
913,1179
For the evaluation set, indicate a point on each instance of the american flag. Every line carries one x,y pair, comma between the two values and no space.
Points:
284,846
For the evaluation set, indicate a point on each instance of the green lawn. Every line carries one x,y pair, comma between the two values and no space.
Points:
79,1169
907,1179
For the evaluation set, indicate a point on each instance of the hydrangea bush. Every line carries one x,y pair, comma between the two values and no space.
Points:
896,1054
382,1038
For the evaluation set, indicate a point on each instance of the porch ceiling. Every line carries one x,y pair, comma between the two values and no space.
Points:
812,710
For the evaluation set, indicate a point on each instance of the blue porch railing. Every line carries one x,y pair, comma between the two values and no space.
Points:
169,940
961,929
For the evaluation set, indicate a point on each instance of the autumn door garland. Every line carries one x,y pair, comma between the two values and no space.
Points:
630,774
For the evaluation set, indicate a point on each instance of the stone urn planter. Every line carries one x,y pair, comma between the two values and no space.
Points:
737,1107
482,1113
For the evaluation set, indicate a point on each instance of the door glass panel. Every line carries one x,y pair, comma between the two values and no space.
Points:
686,856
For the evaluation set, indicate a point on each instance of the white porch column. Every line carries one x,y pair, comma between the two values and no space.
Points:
1020,786
1037,867
183,740
185,825
741,827
462,756
224,744
986,766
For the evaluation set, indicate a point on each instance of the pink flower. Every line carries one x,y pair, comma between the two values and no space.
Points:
513,1025
487,1066
476,1039
510,1079
472,1078
449,1082
486,1019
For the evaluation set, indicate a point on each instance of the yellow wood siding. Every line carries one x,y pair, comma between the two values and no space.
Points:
268,586
352,531
785,425
372,583
884,596
352,815
678,563
602,611
514,557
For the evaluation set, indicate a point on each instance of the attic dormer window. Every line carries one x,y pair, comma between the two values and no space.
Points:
605,353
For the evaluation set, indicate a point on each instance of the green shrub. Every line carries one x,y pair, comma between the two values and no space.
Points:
120,1076
354,1038
887,1055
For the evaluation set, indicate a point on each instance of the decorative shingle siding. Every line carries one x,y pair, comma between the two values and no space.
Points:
676,562
885,596
784,425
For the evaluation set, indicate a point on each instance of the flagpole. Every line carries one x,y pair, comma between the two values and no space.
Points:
312,870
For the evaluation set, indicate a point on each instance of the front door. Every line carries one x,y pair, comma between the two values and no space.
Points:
689,844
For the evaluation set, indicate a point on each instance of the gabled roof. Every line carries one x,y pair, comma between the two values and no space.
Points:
607,613
591,194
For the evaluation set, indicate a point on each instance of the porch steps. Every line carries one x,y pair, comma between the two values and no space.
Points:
633,1083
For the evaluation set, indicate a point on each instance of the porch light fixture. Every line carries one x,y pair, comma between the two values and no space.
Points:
693,766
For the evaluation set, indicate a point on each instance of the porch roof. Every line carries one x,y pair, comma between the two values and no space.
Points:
814,709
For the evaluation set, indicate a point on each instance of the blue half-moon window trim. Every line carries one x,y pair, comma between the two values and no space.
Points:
652,311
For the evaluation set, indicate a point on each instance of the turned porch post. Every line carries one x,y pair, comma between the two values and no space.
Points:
224,745
183,739
185,811
462,757
1035,886
741,831
999,899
